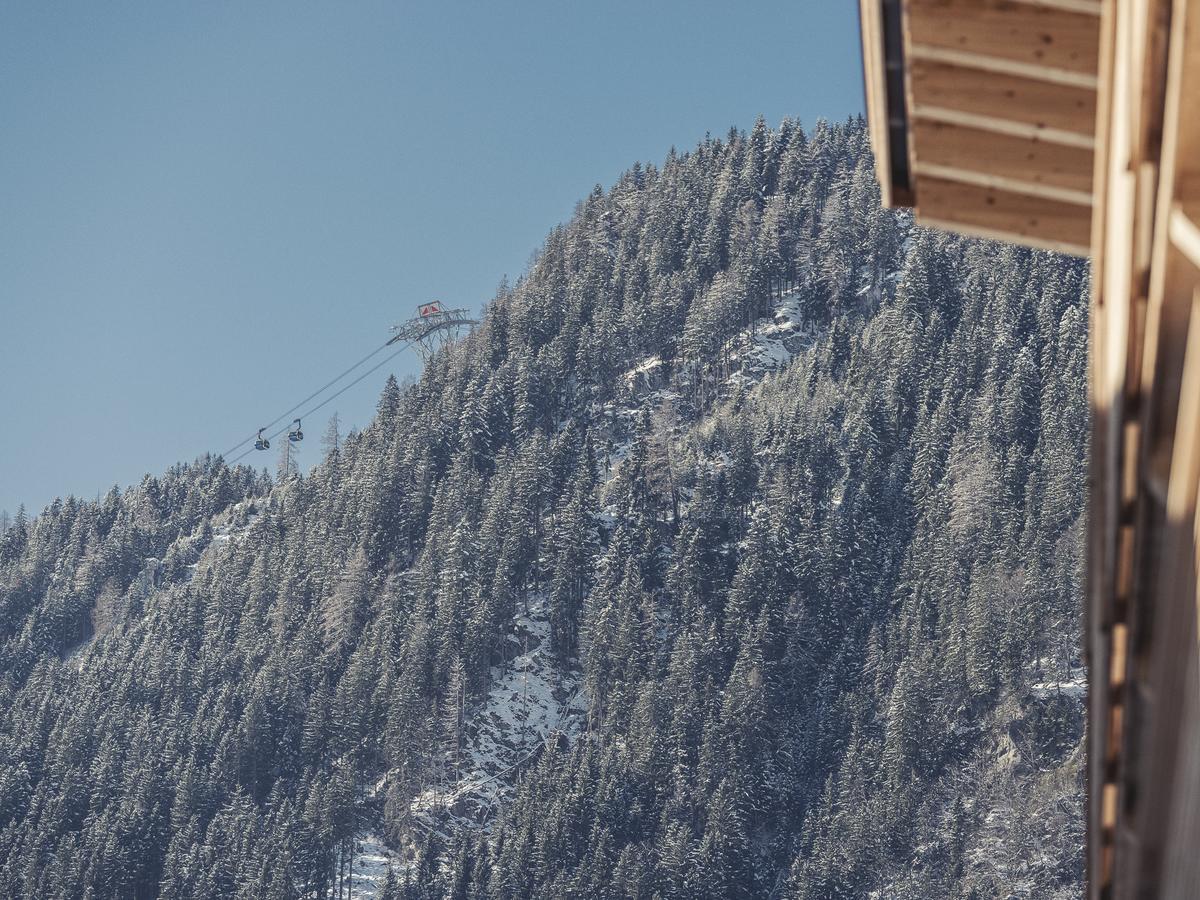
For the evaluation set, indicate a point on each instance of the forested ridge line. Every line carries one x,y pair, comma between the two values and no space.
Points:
776,495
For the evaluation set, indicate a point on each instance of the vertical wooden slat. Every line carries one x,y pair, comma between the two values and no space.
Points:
1168,770
1107,333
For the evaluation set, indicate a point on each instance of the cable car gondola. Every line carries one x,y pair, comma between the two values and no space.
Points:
262,443
295,434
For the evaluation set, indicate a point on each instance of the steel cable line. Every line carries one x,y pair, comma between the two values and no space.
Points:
324,402
318,391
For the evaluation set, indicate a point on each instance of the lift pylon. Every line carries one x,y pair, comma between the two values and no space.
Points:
432,327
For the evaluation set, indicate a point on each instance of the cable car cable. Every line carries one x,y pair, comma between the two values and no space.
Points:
318,391
324,402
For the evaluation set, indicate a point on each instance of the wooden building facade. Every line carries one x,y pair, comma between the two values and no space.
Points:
1074,126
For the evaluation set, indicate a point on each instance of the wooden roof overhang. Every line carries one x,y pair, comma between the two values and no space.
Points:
985,113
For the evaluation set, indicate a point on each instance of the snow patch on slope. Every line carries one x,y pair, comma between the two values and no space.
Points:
772,343
1074,688
228,529
370,866
532,702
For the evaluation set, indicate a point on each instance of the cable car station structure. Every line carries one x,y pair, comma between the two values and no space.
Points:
433,326
1074,125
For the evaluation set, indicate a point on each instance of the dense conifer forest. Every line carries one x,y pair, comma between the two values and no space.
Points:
735,554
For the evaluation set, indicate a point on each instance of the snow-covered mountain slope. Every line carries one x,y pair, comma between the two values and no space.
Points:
659,583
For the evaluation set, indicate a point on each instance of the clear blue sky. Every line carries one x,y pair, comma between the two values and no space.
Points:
206,210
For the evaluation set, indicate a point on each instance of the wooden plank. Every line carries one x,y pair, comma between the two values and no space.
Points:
994,234
1036,35
1019,159
968,60
1054,112
1004,215
1087,7
1004,126
1003,183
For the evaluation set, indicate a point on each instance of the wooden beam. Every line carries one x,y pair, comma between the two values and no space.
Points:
1020,159
1184,229
1185,445
1108,461
870,15
1087,7
887,105
1006,127
967,60
1004,103
1003,183
1004,215
1024,33
995,234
